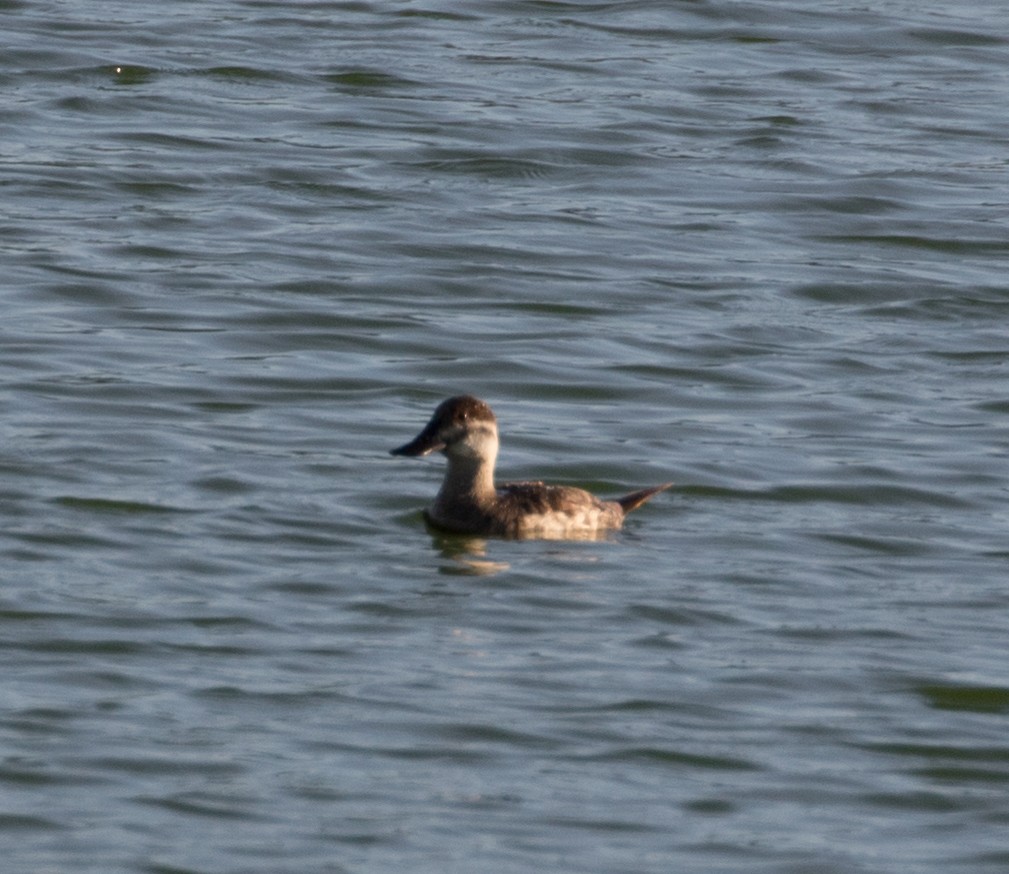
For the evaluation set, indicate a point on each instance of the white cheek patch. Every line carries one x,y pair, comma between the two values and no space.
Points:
479,441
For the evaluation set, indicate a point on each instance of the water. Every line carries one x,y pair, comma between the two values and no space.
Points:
758,248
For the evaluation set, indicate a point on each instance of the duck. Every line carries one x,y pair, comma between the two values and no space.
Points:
464,429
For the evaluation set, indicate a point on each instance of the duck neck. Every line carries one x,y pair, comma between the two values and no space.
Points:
468,480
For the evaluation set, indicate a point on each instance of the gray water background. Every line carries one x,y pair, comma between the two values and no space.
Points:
759,248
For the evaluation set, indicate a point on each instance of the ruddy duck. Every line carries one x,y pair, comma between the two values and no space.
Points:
464,429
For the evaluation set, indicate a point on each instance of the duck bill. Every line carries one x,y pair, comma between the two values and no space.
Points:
424,443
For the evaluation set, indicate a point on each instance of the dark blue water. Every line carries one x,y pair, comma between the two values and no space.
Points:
756,248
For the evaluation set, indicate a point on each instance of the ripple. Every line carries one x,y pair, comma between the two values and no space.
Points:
673,759
949,37
939,245
369,80
112,505
967,698
489,167
27,822
206,804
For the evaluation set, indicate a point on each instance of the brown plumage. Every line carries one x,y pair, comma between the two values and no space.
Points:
464,429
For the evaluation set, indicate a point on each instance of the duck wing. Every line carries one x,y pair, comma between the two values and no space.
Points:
537,498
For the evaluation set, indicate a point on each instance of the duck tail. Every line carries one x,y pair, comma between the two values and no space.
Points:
636,499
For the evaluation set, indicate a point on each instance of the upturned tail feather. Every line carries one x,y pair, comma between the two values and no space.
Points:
636,499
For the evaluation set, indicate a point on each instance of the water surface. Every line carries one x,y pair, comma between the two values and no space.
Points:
758,248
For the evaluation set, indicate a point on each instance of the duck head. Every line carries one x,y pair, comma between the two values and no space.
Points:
463,427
